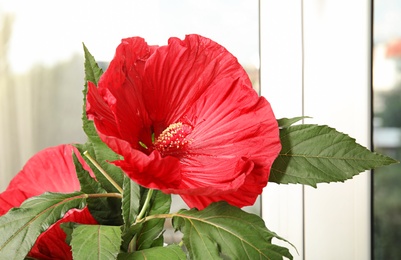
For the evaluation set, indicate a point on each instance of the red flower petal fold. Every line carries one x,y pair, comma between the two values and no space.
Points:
50,170
186,120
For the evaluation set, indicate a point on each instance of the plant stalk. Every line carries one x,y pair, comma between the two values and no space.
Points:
145,205
105,174
156,216
105,195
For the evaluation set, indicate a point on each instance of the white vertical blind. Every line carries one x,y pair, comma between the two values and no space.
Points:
281,84
332,221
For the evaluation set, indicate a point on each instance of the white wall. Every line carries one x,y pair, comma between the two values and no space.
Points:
328,79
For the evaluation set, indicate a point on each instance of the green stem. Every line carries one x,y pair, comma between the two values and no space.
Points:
156,216
105,195
105,174
132,244
160,216
145,205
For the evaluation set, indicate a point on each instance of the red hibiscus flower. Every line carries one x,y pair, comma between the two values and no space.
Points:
186,121
49,170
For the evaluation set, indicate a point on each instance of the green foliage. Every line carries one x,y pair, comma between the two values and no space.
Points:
20,227
314,154
100,152
92,73
387,212
139,235
95,242
92,69
150,232
130,206
106,210
224,230
391,116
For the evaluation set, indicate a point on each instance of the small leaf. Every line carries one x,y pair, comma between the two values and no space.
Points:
130,201
95,146
130,209
92,73
102,154
20,227
151,232
222,230
314,154
171,252
105,210
95,242
68,228
286,122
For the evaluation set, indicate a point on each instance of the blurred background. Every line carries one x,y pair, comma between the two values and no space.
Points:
387,128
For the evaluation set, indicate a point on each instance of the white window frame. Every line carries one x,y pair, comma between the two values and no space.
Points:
316,61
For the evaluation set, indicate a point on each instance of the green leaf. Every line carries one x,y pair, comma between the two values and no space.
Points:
286,122
95,242
68,228
171,252
20,227
92,73
314,154
106,210
131,201
152,230
100,152
130,209
222,230
150,233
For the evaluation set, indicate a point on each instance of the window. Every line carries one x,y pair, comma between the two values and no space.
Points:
387,131
315,61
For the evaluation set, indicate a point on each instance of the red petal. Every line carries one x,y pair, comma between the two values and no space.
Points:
151,171
117,105
99,111
198,80
50,170
51,243
178,74
11,198
195,81
246,195
235,127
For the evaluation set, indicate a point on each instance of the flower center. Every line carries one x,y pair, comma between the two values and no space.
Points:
173,139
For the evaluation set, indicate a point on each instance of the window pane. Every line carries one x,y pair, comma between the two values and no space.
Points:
387,128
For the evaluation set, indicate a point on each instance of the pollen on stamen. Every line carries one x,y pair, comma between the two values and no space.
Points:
173,139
